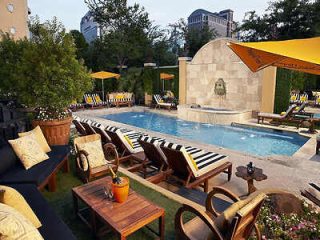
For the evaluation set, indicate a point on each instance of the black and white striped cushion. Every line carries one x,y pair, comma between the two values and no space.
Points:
171,146
85,120
152,140
193,150
97,125
207,158
76,118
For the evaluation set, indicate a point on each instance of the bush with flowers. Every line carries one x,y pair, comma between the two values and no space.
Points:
289,226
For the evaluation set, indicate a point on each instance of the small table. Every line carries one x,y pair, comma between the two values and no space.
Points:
122,218
257,175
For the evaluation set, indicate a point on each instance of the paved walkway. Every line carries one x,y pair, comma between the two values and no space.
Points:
285,173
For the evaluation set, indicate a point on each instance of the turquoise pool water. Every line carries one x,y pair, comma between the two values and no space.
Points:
255,141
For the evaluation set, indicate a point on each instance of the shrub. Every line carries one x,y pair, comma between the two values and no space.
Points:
47,75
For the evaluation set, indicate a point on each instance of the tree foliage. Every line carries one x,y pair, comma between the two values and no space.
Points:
81,44
46,73
283,19
193,38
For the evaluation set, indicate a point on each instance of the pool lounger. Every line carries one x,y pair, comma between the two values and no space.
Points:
193,166
312,192
160,103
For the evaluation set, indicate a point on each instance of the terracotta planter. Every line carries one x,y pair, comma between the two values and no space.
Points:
121,191
57,132
147,99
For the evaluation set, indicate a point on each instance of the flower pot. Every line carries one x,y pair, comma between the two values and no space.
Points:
121,191
147,99
56,132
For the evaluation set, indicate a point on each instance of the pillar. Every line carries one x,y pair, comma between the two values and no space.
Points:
268,89
183,79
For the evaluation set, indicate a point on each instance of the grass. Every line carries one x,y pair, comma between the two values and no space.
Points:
61,201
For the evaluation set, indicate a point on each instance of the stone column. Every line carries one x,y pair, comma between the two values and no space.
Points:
148,97
268,89
183,79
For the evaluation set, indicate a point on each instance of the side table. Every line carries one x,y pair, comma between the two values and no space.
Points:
257,175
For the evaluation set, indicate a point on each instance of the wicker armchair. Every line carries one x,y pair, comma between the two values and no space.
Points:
110,154
237,222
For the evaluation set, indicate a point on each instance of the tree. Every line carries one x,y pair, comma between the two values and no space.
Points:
193,38
127,30
81,44
48,77
284,19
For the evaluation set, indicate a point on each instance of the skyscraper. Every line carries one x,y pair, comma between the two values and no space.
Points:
89,28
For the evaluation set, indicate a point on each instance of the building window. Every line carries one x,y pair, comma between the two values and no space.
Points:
10,7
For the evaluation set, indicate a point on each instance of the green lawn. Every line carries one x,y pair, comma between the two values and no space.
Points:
61,201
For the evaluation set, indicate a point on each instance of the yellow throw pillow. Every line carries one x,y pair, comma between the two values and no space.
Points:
13,198
28,150
39,137
97,98
13,225
129,141
161,101
283,113
193,161
96,156
89,100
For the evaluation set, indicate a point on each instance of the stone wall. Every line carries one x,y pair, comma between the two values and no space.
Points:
216,60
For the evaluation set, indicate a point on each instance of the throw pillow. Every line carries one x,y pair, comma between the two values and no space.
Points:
28,151
13,198
14,225
96,155
39,137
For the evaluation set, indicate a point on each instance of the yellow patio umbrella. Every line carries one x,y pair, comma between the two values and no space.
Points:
300,54
104,75
166,76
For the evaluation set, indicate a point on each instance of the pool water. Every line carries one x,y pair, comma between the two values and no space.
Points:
255,141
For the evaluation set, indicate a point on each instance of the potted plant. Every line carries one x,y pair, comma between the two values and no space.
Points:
48,77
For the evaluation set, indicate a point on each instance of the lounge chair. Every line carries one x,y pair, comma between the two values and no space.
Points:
83,166
236,222
86,123
99,129
312,192
153,155
194,167
74,106
317,101
97,100
160,102
294,98
303,98
90,102
287,117
80,128
300,111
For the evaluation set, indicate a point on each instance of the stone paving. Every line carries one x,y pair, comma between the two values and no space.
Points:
284,173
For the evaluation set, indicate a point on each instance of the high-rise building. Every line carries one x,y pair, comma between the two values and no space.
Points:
89,28
14,18
221,22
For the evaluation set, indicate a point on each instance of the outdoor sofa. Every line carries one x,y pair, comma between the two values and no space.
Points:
53,227
120,99
41,175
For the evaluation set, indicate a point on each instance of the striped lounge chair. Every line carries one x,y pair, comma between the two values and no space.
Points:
317,101
154,157
303,98
97,100
194,167
160,102
86,123
90,101
80,128
99,129
312,192
278,117
75,106
294,98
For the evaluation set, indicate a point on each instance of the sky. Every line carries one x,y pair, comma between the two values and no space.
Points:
161,12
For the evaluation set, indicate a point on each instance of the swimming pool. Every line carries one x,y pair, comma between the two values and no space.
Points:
255,141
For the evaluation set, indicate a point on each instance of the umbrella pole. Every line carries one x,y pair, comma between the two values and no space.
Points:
162,85
103,90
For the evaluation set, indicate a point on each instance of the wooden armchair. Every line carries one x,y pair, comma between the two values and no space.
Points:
88,172
237,222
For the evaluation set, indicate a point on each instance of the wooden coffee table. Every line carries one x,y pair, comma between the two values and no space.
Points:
257,175
122,218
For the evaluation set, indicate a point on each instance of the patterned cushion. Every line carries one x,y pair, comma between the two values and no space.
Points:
28,150
14,225
96,155
13,198
39,137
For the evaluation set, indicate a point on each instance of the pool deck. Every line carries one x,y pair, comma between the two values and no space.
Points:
284,172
